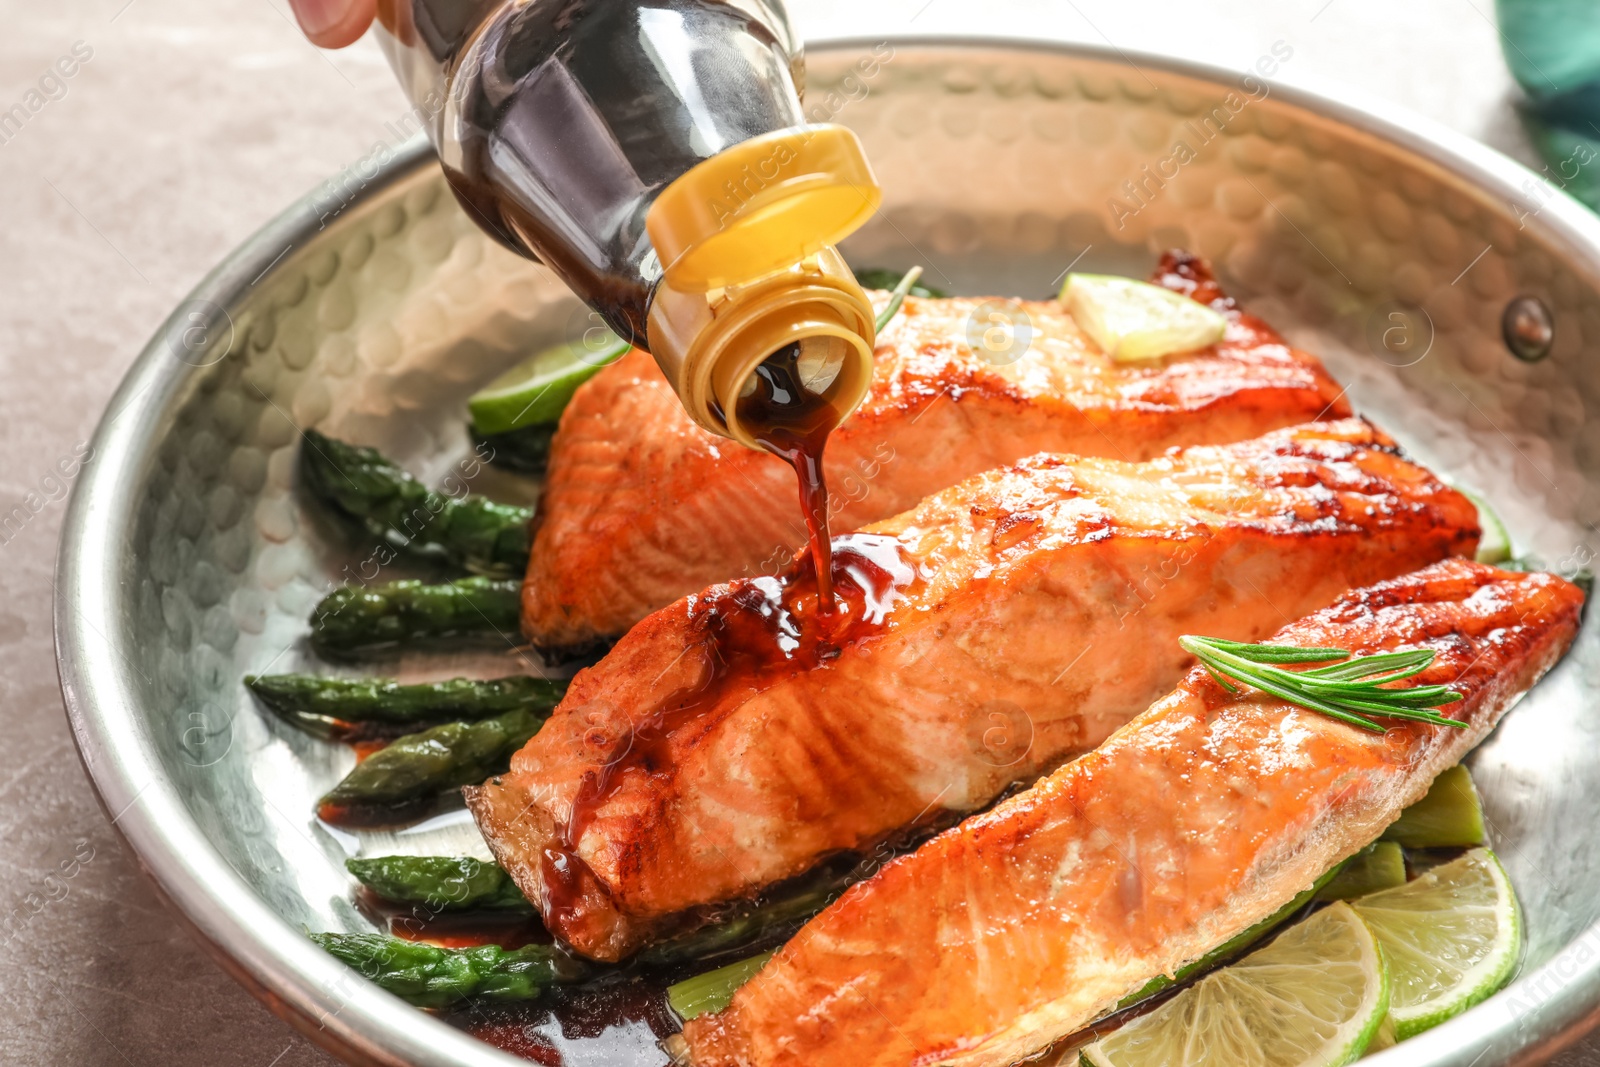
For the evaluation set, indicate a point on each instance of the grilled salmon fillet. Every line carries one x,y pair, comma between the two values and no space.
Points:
1198,819
1018,618
642,507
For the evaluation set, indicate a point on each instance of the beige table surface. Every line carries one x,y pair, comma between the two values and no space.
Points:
190,124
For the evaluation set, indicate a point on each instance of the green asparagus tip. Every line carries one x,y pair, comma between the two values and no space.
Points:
433,977
460,528
418,767
356,619
305,699
442,883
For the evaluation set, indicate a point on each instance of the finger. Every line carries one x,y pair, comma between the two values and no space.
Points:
333,23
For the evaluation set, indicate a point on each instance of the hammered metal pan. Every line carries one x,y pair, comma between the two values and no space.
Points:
1387,244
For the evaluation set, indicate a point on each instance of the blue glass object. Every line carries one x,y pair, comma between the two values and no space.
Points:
1553,50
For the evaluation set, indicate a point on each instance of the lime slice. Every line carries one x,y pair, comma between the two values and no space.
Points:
1133,320
538,389
1451,936
1494,544
1449,816
1237,944
1314,997
1384,1038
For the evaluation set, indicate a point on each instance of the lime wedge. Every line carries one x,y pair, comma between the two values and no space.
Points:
1133,320
1452,937
1314,997
538,389
1449,816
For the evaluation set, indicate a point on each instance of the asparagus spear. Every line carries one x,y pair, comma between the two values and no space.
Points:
778,917
356,619
468,531
1381,865
459,882
340,708
444,883
775,917
435,977
525,450
713,990
417,766
432,977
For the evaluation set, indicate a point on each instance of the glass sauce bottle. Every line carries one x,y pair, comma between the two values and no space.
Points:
653,153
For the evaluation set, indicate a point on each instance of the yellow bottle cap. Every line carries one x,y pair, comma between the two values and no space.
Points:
761,206
708,348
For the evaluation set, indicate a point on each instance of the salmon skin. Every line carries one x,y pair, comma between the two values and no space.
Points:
1012,621
1195,821
642,507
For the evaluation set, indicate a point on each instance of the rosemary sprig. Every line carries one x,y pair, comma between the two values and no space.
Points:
1349,691
897,296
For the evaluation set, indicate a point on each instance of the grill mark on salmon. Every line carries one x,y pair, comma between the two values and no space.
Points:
642,507
1195,821
735,738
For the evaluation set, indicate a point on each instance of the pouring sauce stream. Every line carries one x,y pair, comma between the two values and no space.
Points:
785,408
757,630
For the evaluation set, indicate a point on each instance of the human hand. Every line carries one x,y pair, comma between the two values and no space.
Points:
334,23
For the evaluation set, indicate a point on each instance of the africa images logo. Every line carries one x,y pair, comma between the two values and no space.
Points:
50,86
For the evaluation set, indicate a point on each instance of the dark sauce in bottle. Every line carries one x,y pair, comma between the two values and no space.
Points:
572,116
558,122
